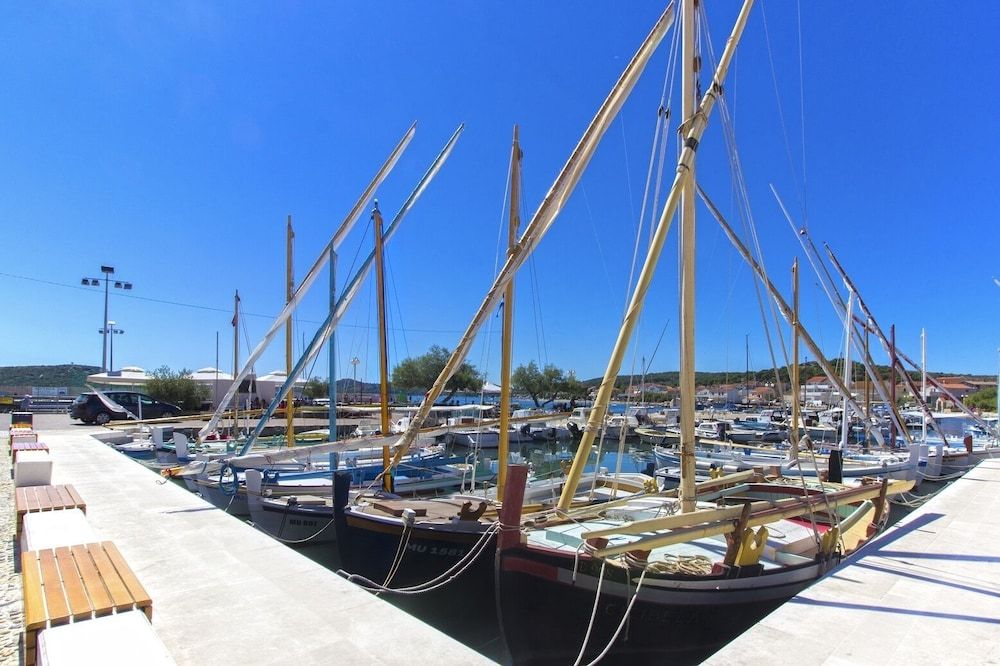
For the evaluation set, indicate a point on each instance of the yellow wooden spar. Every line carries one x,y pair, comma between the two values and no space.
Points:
693,131
543,218
289,293
793,432
383,345
714,525
508,319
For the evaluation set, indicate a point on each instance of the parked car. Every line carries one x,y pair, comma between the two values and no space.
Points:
89,408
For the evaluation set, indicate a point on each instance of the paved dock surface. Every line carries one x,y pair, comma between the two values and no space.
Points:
927,591
224,593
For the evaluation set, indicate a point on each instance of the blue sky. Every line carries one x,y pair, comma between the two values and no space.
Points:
170,140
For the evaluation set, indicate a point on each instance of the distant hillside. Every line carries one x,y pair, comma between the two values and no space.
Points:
46,375
806,370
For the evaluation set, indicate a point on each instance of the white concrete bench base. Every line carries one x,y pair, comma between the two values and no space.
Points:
122,639
33,468
52,529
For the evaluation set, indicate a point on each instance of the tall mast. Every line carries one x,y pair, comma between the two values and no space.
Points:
892,380
542,220
383,348
332,352
845,420
286,312
693,134
328,325
923,381
236,354
508,318
793,432
689,79
289,293
746,377
783,307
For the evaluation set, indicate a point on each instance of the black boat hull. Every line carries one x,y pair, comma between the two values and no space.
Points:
544,613
368,546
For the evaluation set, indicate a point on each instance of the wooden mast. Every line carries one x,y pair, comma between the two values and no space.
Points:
793,432
286,312
783,307
508,319
289,293
693,134
383,348
542,220
689,78
236,356
923,382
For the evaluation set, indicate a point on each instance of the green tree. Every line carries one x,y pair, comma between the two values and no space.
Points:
316,388
549,383
177,388
985,399
419,373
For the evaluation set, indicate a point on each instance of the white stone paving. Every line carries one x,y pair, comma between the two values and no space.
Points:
224,593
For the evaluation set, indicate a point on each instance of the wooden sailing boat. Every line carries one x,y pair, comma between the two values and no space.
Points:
656,576
420,545
409,543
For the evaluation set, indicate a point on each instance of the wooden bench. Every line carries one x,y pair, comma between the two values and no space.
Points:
29,499
17,447
76,583
22,436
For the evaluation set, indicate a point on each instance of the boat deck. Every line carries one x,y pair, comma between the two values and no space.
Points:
927,591
225,593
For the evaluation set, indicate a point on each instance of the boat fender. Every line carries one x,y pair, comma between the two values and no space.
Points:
228,488
409,517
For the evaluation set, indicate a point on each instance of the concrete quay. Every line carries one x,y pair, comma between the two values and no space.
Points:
223,592
927,591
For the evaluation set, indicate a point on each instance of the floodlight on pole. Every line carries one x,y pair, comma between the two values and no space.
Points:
112,331
108,271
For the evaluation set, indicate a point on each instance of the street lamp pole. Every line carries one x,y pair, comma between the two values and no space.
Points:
104,341
108,271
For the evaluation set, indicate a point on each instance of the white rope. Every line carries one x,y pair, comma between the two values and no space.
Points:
593,614
625,616
442,579
404,541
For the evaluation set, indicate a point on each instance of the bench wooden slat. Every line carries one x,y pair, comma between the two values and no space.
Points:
30,499
100,600
34,603
76,594
75,496
59,496
21,500
55,602
76,583
42,499
120,597
135,589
